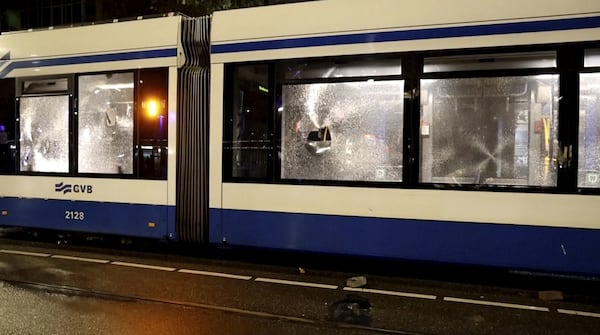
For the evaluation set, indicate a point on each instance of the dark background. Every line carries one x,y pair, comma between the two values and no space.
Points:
31,14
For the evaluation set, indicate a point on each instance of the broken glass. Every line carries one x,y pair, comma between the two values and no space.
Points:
493,131
343,131
44,133
105,128
588,174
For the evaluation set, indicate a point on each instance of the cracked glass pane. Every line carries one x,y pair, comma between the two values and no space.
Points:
106,123
44,133
343,131
588,174
494,131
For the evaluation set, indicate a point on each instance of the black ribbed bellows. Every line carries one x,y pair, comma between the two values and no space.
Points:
192,131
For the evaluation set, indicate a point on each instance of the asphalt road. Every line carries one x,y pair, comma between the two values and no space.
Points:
51,288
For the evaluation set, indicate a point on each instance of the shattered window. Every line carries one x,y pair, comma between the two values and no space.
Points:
105,123
348,131
44,133
494,131
589,131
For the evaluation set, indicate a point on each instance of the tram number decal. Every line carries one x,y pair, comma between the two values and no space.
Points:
74,215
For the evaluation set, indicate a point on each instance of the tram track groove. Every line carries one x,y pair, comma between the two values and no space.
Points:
96,294
447,299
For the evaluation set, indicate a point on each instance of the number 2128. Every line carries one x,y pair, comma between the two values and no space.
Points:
74,215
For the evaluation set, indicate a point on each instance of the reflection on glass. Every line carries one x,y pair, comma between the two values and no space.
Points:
152,124
531,60
339,69
343,131
591,58
8,146
106,123
494,131
41,86
44,133
588,174
247,137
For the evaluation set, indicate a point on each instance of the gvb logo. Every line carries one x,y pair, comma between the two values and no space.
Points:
66,188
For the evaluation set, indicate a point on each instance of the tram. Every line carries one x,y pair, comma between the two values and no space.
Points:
414,131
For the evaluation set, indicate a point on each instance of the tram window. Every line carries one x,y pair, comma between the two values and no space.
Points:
295,70
152,142
45,86
589,131
531,60
592,58
8,144
348,131
105,124
44,133
247,144
493,131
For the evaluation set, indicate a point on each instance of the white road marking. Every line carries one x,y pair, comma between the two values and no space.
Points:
497,304
144,266
81,259
215,274
580,313
295,283
394,293
24,253
298,283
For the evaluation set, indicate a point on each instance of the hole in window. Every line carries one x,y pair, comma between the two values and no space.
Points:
343,131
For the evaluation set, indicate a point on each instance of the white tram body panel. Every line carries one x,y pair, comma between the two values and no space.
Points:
420,21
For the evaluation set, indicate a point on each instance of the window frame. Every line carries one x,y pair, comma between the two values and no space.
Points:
72,90
492,72
591,69
136,111
21,92
569,64
361,79
276,82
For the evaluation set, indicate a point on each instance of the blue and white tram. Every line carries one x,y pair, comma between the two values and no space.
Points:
428,131
88,124
457,132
